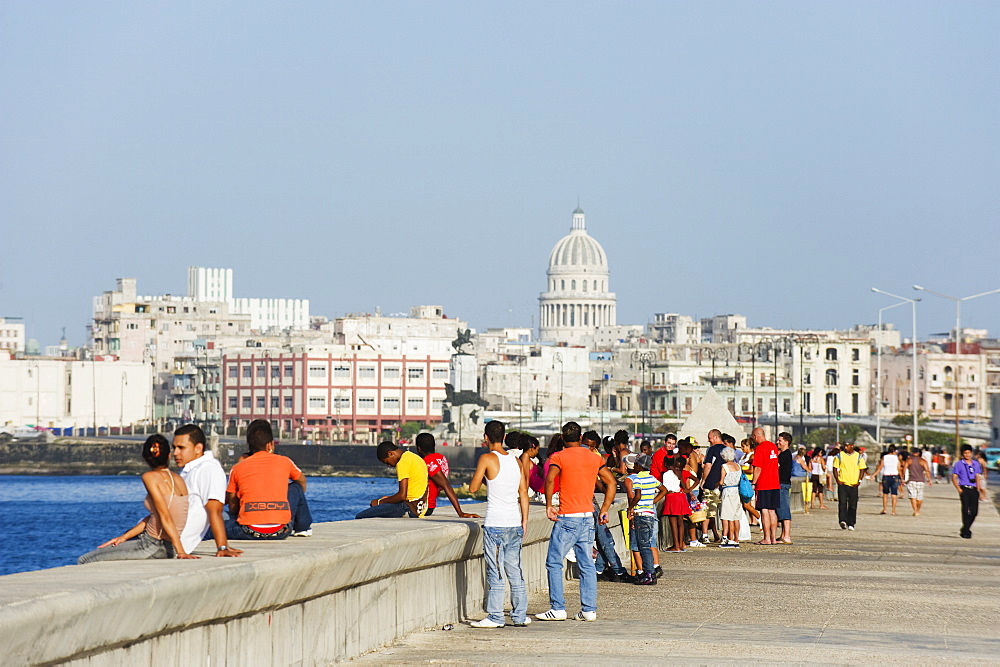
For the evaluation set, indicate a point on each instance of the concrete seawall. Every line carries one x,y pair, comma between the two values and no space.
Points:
353,587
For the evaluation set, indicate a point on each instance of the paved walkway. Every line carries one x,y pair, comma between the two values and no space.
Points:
899,589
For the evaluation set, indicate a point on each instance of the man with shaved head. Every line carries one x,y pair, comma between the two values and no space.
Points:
767,485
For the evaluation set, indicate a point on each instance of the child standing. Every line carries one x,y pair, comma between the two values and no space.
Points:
676,505
643,491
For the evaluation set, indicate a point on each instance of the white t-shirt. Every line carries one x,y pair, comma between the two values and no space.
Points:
206,480
890,465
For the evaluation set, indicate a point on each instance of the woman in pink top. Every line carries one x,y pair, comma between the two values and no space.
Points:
157,535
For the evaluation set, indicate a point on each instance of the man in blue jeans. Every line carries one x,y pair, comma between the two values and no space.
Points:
503,529
577,469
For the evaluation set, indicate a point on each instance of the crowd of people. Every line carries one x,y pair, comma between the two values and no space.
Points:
679,495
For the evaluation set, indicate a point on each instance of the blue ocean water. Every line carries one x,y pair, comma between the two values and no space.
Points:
50,521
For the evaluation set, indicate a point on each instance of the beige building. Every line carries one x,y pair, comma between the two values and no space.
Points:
67,393
944,380
11,336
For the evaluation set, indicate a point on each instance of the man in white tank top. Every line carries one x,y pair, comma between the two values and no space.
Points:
503,529
889,467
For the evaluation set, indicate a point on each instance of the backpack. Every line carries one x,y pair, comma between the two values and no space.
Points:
746,489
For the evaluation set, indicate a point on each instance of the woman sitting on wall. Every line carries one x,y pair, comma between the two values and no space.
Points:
157,535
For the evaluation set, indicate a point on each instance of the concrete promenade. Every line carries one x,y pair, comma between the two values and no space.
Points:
899,589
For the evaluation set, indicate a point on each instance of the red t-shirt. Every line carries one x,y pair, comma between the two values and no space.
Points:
435,463
765,457
657,466
578,467
261,484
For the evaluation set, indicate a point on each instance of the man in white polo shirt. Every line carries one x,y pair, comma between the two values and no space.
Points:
206,483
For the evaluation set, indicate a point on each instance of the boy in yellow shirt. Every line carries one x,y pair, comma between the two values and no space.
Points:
411,498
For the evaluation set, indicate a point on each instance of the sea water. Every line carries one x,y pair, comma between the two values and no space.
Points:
51,521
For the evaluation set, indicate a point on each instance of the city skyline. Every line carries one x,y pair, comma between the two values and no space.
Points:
360,159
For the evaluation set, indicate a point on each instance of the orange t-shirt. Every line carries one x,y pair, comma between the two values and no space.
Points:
261,484
578,467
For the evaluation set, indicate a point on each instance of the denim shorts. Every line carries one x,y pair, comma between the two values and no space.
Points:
890,485
784,510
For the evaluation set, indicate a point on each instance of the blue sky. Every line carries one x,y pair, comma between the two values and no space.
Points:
771,159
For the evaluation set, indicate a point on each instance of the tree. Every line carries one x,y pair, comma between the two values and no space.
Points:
907,419
828,436
409,430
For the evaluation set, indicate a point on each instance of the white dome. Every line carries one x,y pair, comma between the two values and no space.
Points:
578,252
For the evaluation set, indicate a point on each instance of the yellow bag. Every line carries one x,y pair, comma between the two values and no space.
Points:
807,493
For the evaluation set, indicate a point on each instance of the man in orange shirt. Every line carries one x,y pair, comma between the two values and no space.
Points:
577,469
260,495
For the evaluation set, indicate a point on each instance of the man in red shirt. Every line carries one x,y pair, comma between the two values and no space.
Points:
260,495
577,469
767,484
437,476
662,457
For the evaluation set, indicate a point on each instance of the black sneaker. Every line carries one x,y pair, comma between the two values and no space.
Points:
608,575
843,525
646,580
627,578
658,572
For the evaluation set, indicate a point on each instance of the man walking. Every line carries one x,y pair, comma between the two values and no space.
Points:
968,480
503,529
766,484
206,484
849,469
917,475
577,469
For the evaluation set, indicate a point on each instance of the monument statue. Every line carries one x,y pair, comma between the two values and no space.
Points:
464,338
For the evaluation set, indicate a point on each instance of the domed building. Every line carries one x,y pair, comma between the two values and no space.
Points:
577,300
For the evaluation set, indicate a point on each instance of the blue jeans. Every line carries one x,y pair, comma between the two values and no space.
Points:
385,511
502,551
784,503
643,535
607,557
575,532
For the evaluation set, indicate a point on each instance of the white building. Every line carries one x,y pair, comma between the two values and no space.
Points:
674,328
11,336
216,285
533,378
577,299
943,378
64,393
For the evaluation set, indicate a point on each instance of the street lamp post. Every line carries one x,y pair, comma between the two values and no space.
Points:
557,359
801,340
753,349
121,416
914,399
643,359
605,378
958,344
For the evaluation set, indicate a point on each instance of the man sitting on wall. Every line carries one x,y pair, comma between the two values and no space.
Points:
266,505
411,498
437,474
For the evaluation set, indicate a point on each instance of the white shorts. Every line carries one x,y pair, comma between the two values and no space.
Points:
916,490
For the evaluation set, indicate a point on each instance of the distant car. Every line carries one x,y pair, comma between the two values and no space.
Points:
992,457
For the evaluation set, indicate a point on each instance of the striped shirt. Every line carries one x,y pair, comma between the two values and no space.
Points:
646,486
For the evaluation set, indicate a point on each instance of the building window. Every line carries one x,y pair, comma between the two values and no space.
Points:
415,373
436,406
317,402
342,403
288,402
260,402
247,372
390,372
831,354
317,371
855,354
831,378
246,403
234,371
276,372
262,372
855,403
342,371
390,404
856,379
275,402
366,403
584,285
366,372
232,402
414,405
289,371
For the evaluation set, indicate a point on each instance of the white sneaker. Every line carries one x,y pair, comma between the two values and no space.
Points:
486,623
527,621
725,542
695,543
586,616
303,533
552,615
850,528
